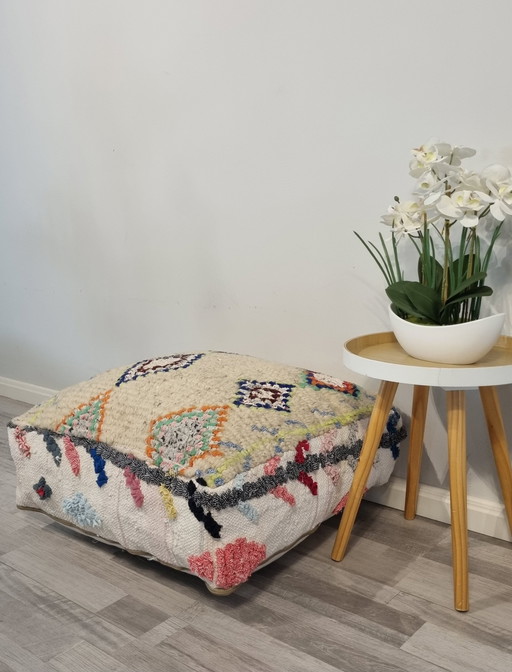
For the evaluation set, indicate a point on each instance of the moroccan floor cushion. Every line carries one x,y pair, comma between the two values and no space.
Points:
212,463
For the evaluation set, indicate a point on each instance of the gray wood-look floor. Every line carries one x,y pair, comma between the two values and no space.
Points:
70,604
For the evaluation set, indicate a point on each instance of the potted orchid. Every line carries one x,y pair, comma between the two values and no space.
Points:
441,225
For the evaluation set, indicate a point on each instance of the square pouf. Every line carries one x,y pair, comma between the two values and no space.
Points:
212,463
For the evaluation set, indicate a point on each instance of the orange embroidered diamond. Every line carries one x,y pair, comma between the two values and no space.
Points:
178,439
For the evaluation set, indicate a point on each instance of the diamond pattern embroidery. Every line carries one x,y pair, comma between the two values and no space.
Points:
321,380
158,365
87,419
177,440
264,395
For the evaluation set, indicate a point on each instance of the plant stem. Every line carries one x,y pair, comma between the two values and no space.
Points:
471,254
466,313
446,266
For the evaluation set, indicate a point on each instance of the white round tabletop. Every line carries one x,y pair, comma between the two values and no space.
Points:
380,356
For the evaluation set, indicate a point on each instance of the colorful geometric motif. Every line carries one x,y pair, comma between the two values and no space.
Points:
178,439
320,380
275,474
87,419
260,394
157,365
217,488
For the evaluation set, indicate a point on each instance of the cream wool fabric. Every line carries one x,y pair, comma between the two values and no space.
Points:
210,462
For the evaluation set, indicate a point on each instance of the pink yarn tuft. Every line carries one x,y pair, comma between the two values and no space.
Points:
333,473
343,502
234,563
283,493
72,455
21,440
202,565
271,465
134,484
328,441
237,561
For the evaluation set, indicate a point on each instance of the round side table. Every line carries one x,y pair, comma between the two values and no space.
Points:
380,356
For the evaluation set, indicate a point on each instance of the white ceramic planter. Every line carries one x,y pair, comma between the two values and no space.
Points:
453,344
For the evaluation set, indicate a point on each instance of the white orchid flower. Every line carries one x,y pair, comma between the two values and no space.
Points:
464,205
450,200
468,181
499,182
460,180
433,197
406,217
459,153
426,157
439,157
496,173
429,182
430,187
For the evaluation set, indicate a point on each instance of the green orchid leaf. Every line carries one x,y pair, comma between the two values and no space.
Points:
466,283
415,299
469,294
430,272
460,265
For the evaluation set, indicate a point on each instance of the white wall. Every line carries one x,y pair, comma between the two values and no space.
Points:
187,175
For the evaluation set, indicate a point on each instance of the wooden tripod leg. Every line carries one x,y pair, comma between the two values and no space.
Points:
491,406
419,414
371,442
458,496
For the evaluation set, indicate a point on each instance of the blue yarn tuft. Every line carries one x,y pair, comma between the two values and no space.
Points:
53,447
102,479
249,511
78,508
99,467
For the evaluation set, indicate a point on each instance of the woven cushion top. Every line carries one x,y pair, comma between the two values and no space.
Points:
211,415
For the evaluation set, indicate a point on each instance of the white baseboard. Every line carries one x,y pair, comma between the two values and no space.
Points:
31,394
484,516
